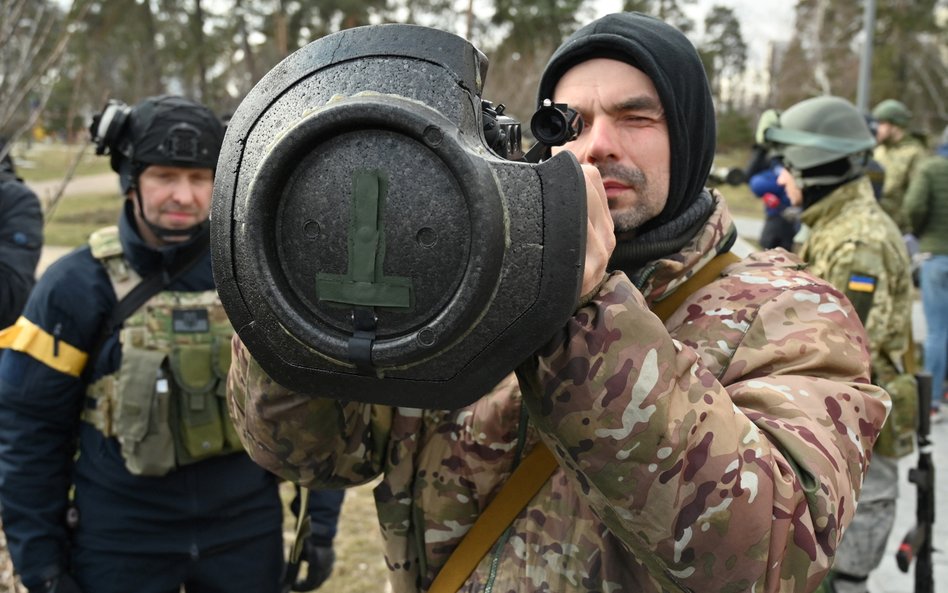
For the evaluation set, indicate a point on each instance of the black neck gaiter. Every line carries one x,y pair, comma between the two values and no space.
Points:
631,254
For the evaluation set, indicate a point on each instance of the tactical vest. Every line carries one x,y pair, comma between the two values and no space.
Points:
166,404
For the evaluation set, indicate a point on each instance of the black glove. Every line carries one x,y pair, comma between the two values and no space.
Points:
60,584
318,560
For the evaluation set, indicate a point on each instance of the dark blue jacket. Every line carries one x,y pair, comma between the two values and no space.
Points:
21,238
194,508
764,185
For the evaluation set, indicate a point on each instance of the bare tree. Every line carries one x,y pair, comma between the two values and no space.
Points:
34,35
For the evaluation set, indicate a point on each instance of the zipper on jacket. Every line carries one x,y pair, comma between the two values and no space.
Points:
57,332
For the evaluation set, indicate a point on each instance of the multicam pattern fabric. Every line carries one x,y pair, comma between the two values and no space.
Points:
850,236
720,451
900,161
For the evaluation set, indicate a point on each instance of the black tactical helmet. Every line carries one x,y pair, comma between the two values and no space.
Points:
819,131
163,130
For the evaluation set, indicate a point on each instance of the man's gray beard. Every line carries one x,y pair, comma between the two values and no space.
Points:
630,218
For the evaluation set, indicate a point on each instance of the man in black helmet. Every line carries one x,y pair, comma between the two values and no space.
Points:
119,467
676,435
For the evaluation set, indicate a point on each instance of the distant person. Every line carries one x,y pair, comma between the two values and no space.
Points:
899,152
21,240
875,172
926,209
825,145
120,470
780,225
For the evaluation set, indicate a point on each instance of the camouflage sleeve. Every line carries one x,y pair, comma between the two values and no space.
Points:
738,479
874,278
313,441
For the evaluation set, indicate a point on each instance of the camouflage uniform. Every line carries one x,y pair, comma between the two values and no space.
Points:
899,161
854,246
719,452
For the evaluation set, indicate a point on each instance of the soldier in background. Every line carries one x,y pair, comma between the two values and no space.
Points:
720,449
119,468
899,152
926,209
825,145
21,240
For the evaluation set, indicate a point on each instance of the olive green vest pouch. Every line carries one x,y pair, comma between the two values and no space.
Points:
897,438
201,427
140,417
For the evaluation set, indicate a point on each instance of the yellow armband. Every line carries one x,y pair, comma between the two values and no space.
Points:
27,337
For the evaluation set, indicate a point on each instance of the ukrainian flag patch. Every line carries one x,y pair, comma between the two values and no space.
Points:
861,283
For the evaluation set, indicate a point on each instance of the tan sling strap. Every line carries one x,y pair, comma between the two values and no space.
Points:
665,307
537,467
532,473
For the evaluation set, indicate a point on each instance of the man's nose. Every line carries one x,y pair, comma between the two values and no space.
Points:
184,191
598,144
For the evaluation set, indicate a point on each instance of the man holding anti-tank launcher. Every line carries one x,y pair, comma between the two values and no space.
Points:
680,419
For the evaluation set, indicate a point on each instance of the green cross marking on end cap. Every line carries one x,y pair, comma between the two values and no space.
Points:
364,284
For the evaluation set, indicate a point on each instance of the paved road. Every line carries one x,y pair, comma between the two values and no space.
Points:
888,578
86,184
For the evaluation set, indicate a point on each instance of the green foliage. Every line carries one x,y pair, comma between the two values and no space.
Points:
76,217
741,201
735,130
724,53
536,24
910,56
670,11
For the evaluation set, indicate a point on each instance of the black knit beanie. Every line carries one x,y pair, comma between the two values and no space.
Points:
670,60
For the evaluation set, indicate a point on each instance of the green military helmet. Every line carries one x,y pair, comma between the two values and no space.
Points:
894,112
821,130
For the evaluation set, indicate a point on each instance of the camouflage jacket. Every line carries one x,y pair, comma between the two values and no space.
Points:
720,451
854,246
899,161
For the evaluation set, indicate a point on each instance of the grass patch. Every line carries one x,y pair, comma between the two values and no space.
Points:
740,199
45,162
76,217
360,563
